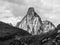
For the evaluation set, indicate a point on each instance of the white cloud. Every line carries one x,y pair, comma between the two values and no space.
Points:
3,11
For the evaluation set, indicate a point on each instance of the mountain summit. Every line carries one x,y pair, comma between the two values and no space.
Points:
31,22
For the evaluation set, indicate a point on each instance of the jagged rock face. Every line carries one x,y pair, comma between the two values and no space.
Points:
31,22
47,26
58,26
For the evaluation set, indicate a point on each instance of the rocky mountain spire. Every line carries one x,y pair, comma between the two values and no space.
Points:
31,22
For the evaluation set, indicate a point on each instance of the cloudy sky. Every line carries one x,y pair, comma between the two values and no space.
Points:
46,9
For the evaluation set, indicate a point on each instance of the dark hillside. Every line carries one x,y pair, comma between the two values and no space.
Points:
8,33
6,30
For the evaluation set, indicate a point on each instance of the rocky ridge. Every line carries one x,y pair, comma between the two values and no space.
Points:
32,22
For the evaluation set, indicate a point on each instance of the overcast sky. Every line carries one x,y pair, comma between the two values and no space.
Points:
46,9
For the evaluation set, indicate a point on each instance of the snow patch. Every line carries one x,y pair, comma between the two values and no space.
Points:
11,20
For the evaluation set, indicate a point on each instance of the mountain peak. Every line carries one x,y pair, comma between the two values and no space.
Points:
31,22
30,11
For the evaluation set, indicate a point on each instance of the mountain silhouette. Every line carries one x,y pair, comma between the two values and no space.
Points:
31,22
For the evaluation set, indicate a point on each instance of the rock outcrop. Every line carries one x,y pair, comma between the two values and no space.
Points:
31,22
47,26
